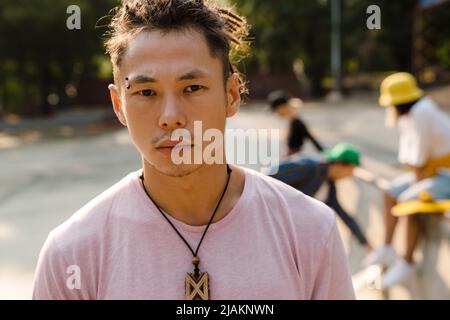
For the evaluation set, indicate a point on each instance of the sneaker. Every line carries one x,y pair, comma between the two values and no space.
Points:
399,273
383,256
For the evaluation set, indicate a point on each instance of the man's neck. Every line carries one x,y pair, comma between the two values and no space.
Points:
193,198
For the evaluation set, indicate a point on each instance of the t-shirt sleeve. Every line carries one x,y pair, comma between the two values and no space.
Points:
314,141
297,135
55,279
333,280
415,141
421,151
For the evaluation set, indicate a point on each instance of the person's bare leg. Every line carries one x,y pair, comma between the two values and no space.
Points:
390,221
413,230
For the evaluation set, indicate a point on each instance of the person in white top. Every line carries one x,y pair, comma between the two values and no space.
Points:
424,147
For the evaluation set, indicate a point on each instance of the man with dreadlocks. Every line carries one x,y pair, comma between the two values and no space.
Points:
189,230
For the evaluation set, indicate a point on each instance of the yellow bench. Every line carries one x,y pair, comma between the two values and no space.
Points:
425,204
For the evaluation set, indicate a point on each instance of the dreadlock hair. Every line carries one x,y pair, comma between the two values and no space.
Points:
225,31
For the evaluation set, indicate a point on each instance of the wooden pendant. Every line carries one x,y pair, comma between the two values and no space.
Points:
197,286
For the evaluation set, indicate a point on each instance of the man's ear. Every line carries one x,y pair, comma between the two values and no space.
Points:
117,103
233,95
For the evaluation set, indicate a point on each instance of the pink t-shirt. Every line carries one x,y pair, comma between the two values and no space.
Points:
276,243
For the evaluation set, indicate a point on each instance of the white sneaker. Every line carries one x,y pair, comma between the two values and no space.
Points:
399,273
383,256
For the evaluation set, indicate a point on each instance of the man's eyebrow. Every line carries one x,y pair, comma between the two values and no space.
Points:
194,74
139,79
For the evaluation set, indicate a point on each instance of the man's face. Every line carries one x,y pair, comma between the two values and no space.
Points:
340,171
166,82
283,111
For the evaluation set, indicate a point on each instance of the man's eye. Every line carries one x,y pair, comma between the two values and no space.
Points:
147,93
193,88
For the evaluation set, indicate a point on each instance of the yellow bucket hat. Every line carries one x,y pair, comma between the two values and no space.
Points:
399,88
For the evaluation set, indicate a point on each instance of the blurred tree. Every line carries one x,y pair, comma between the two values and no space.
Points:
42,61
287,32
296,29
40,58
435,36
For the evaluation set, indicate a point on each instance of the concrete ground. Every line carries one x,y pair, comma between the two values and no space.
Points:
45,182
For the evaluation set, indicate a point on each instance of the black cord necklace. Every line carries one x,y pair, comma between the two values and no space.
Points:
196,283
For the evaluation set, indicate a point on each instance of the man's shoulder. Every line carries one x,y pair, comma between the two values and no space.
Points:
292,205
425,107
271,188
298,122
87,223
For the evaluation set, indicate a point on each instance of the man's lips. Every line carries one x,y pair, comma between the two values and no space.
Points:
173,145
167,144
170,145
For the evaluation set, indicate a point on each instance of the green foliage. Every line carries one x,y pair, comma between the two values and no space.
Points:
286,31
291,29
39,55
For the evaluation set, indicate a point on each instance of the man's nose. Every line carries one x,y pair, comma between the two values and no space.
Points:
172,116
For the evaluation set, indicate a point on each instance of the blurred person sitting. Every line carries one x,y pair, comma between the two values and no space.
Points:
317,178
425,149
286,107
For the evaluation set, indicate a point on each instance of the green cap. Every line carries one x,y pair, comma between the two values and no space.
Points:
343,152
